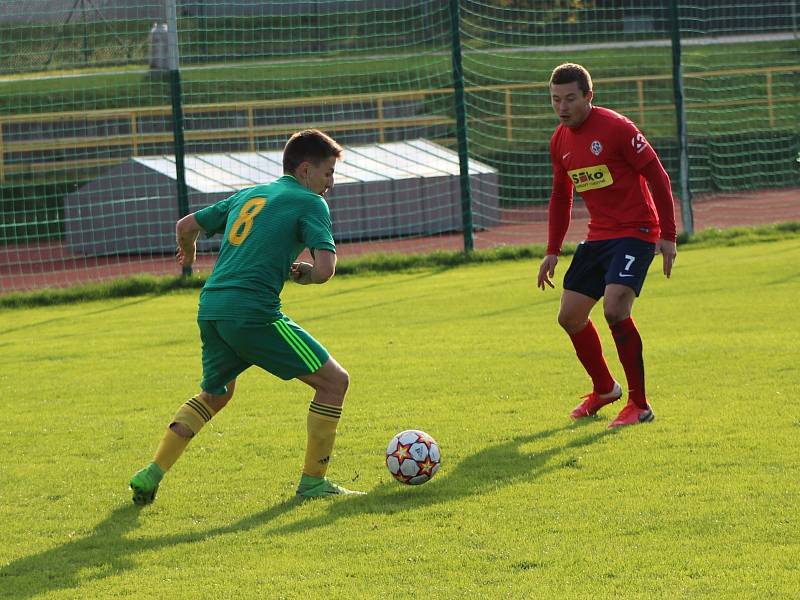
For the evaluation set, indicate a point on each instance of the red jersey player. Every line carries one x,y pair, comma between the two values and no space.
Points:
609,162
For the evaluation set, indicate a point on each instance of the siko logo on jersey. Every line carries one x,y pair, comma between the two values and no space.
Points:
638,142
591,178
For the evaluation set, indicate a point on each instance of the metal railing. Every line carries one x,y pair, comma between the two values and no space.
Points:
135,139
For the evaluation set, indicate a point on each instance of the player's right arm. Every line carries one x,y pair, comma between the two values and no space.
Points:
209,220
187,231
559,214
547,271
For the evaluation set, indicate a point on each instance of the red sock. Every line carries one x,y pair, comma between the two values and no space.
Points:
629,349
590,353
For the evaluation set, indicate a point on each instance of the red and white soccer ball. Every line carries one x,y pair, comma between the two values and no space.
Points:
413,457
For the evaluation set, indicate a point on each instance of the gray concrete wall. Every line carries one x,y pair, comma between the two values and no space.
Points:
133,209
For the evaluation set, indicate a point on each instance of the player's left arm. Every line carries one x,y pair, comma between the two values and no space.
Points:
658,181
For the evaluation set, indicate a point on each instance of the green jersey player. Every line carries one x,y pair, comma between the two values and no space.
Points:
264,229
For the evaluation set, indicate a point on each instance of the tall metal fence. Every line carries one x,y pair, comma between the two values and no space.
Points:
116,117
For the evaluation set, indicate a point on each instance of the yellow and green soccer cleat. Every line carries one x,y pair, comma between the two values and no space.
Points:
144,484
320,487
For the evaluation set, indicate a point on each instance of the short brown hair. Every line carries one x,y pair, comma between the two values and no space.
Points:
308,145
569,72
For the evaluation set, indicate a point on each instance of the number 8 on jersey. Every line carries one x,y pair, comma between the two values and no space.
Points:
244,222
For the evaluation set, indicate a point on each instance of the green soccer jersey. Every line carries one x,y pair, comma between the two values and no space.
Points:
264,229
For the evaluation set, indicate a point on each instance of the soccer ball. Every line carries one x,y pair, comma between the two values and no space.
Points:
412,457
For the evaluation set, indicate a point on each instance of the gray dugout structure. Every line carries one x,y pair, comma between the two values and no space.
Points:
408,188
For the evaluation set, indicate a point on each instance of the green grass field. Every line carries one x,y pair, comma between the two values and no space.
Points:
700,503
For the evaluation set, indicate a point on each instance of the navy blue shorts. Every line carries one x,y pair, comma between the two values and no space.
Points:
596,264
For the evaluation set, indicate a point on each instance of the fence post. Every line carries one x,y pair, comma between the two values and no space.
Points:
509,117
85,34
461,125
680,115
770,107
2,158
177,113
381,128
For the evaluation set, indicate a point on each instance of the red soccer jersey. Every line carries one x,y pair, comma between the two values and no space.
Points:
601,160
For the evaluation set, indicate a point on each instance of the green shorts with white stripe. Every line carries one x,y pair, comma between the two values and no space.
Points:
282,348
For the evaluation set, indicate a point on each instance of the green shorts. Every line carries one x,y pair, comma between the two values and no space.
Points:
282,348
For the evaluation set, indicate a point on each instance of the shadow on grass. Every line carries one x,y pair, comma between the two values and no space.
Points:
358,309
73,317
106,552
372,285
497,466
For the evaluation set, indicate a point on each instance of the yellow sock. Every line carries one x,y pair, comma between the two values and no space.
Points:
192,414
170,449
321,424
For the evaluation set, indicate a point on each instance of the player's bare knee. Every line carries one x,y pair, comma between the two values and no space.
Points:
615,309
335,382
343,381
614,315
570,324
